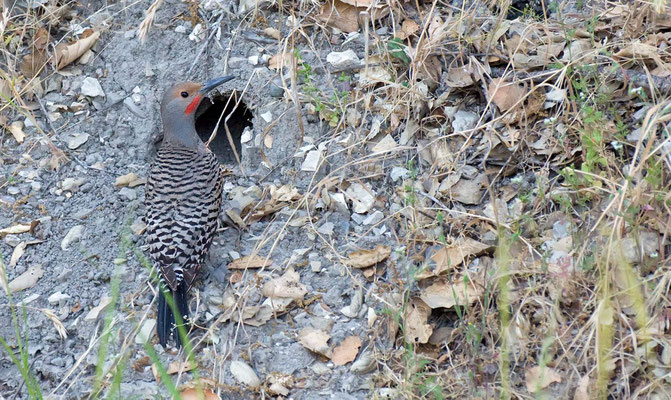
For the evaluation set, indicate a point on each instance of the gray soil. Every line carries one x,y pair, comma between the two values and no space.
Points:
123,130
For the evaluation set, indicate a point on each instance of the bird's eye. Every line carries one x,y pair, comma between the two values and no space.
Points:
184,94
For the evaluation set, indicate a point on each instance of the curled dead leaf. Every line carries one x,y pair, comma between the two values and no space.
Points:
506,94
417,330
346,351
368,258
286,286
253,261
315,340
26,280
447,294
68,53
538,378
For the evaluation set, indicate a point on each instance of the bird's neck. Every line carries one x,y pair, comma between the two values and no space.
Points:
181,131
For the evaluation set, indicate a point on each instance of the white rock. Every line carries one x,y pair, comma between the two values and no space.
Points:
246,136
362,197
91,87
312,160
253,60
326,228
180,29
374,218
77,140
57,297
73,235
267,116
244,374
97,310
464,120
339,203
128,193
72,184
146,331
343,60
398,173
316,266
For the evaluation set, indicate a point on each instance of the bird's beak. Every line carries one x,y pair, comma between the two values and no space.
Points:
211,84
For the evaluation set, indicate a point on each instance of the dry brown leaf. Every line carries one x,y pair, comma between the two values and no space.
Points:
447,294
505,94
281,60
367,258
286,286
15,229
179,366
16,129
538,378
340,15
253,261
17,253
582,390
453,255
347,351
26,280
272,32
195,394
315,340
68,53
408,28
126,180
417,330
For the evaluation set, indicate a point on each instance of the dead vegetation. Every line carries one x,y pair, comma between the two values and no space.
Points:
511,165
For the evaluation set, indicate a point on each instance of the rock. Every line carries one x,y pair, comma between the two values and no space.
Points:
253,60
91,87
128,193
374,218
312,160
276,89
145,331
244,374
464,120
73,235
57,298
133,107
326,228
353,308
398,173
343,60
77,140
72,184
362,197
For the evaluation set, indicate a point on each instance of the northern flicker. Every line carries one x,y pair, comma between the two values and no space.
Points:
183,198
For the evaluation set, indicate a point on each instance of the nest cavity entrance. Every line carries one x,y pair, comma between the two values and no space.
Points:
222,108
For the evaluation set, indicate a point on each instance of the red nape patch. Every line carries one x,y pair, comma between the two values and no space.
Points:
192,106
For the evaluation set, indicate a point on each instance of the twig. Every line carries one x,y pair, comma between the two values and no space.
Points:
204,46
55,136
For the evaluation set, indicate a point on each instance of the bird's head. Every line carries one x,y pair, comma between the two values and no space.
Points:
178,109
183,98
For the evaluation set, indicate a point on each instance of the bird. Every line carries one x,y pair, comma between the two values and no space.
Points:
182,201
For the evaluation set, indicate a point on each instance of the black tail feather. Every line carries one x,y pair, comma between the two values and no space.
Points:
166,323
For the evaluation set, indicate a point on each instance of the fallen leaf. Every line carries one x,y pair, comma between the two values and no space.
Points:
68,53
453,255
286,286
506,94
126,180
417,330
367,258
582,389
447,294
141,363
94,313
340,15
245,374
16,129
17,253
272,32
195,394
15,229
347,351
179,366
315,340
408,28
538,378
26,280
281,60
253,261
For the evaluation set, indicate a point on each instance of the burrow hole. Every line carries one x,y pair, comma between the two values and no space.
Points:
208,114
